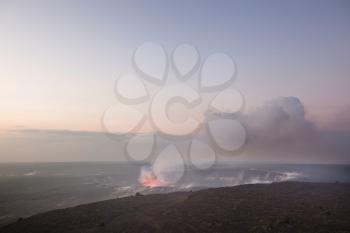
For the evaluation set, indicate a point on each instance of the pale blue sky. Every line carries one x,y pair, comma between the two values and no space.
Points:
66,54
59,59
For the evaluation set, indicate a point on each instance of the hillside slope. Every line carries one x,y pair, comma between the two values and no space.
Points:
280,207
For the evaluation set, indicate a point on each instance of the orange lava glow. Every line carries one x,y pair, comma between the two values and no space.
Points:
148,179
151,182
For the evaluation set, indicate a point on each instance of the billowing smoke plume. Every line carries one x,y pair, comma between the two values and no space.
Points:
279,131
280,124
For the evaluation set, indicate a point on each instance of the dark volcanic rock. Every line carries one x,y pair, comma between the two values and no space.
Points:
258,208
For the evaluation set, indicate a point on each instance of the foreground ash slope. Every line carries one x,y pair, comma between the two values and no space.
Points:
280,207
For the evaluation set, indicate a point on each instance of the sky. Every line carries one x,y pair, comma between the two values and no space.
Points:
60,59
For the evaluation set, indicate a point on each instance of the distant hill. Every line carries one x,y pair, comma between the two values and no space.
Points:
257,208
